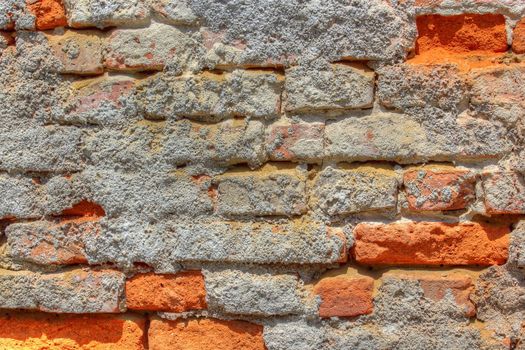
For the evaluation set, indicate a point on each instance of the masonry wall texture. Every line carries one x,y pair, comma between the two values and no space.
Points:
262,174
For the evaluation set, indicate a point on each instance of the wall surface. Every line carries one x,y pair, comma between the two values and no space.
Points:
262,174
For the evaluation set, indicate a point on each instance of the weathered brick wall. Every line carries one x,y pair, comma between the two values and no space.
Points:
259,174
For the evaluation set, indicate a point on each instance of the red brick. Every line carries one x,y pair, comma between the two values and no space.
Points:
431,243
435,287
199,334
464,33
49,13
504,193
518,40
438,189
36,331
345,296
180,292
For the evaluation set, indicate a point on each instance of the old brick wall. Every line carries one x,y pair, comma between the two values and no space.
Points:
260,174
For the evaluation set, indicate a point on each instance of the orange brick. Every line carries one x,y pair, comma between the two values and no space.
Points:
438,190
462,33
49,13
345,296
431,243
38,331
200,334
180,292
85,208
518,41
435,287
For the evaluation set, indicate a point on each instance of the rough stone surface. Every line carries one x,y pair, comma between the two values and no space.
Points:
252,292
20,197
295,141
278,34
80,52
405,86
504,193
369,137
345,191
500,301
100,13
48,243
337,86
210,95
49,148
124,243
262,194
75,291
438,189
456,287
154,48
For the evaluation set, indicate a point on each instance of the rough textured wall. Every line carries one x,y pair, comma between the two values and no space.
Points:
260,174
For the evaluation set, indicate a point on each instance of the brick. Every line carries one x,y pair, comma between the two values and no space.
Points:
228,142
153,196
37,331
431,243
21,197
49,243
79,51
497,297
438,189
280,38
295,141
174,12
437,287
270,191
292,242
483,33
49,13
180,292
337,86
504,192
517,245
401,138
344,296
406,86
518,37
102,101
206,333
98,13
74,291
253,291
153,48
345,191
496,93
212,96
50,148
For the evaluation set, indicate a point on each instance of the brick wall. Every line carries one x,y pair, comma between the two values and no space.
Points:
295,175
